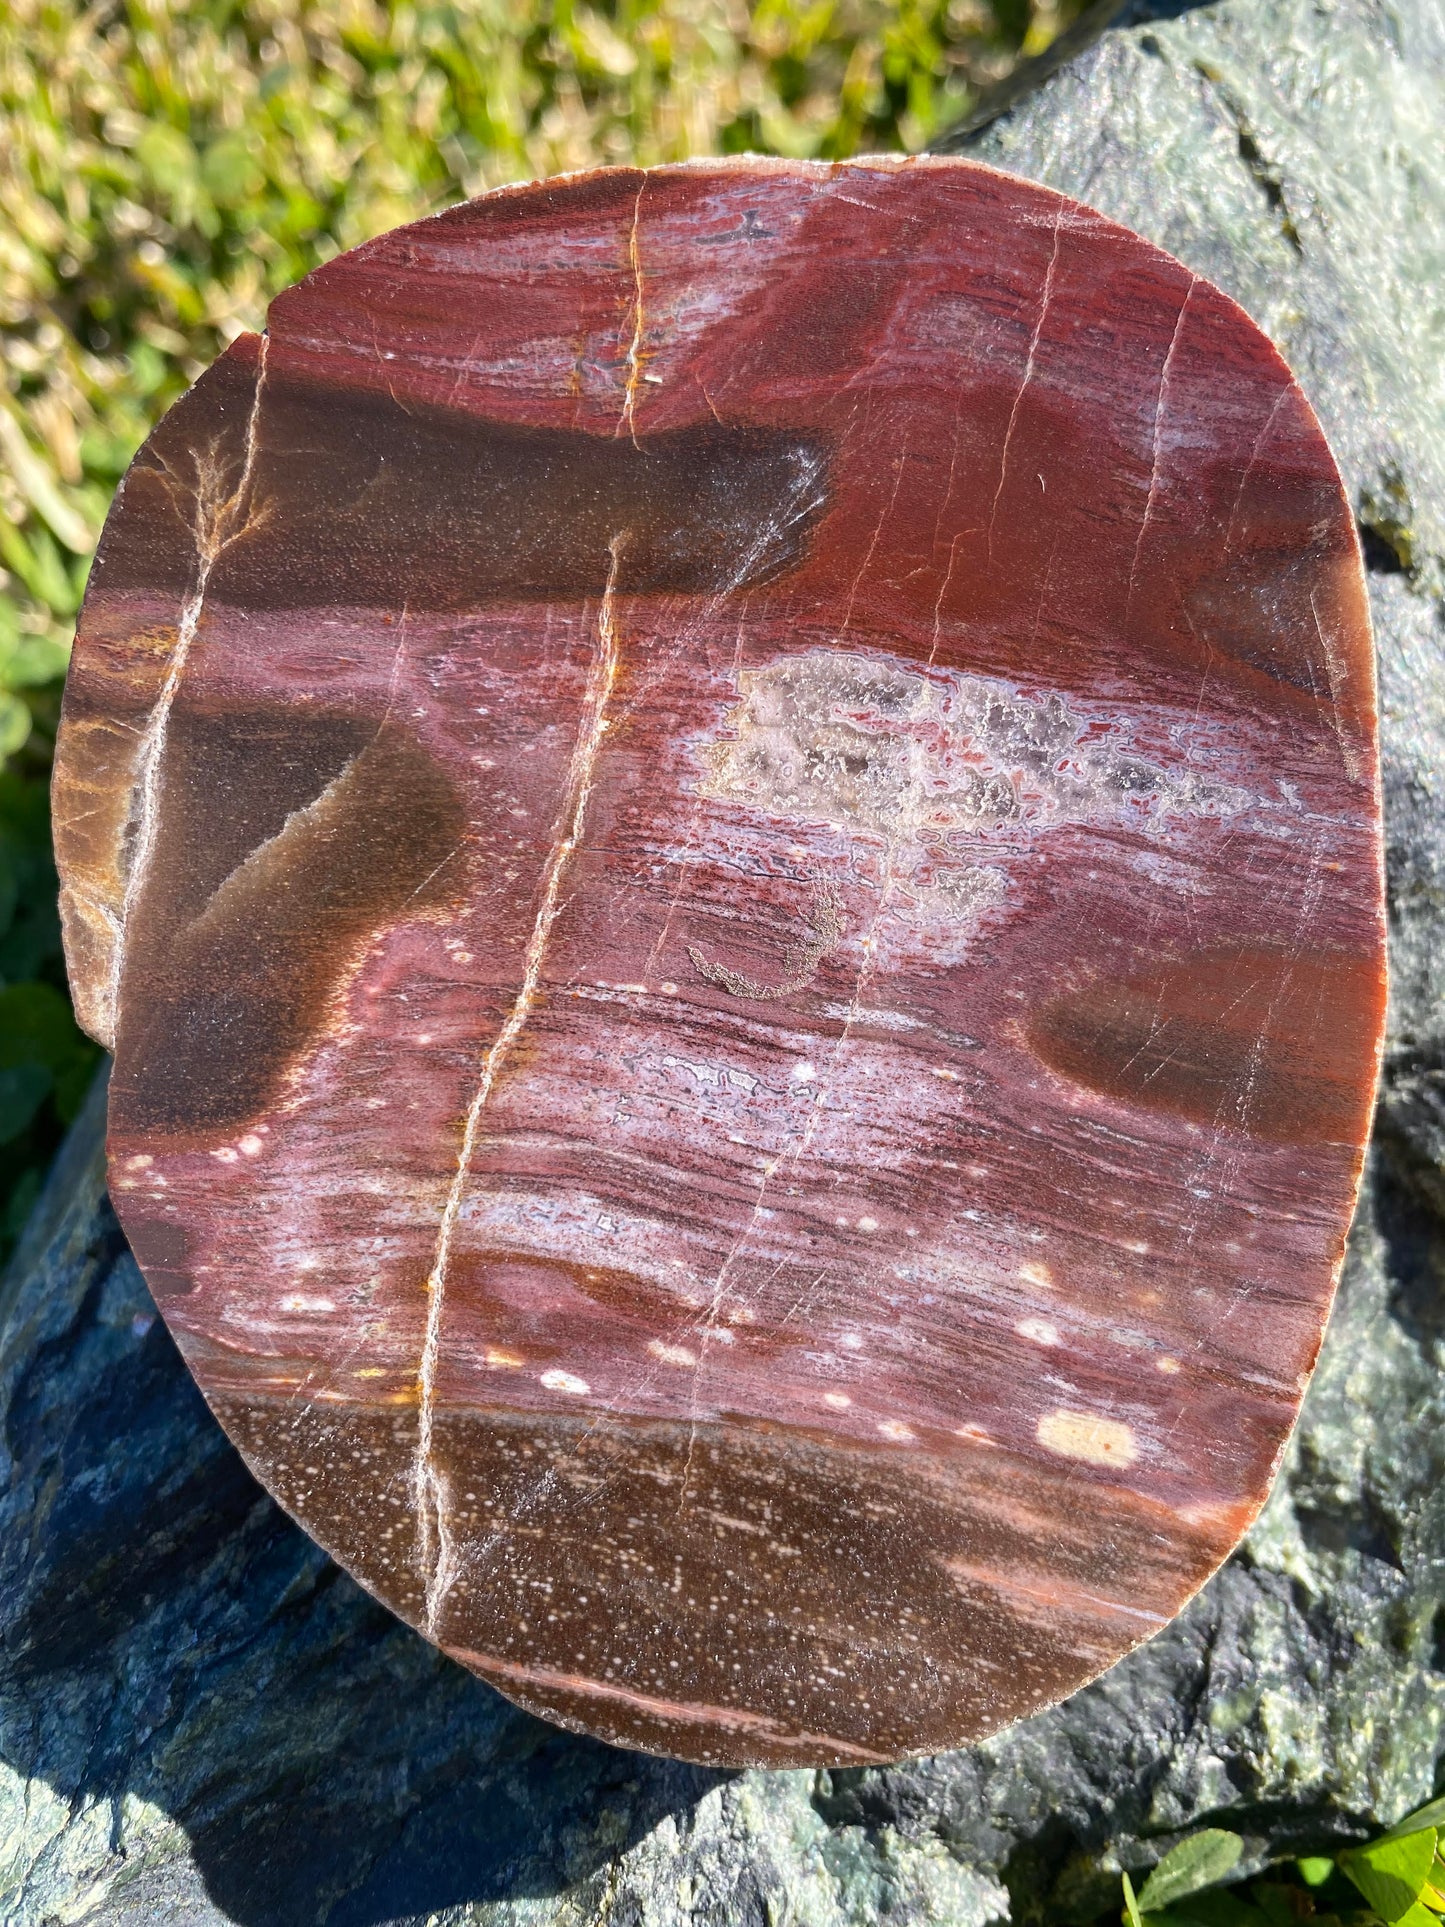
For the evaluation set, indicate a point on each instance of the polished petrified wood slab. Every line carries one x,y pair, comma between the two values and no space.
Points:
726,824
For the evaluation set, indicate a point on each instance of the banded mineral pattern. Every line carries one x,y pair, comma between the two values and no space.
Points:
725,821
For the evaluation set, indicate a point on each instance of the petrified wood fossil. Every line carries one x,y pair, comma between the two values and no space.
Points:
725,821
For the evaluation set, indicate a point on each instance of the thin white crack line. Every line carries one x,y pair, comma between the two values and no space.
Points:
846,623
213,534
634,347
429,1487
795,1150
1249,467
1161,402
1043,316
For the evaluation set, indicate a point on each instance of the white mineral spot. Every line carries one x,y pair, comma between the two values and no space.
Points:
307,1301
1037,1274
566,1382
500,1360
251,1146
140,1162
895,1429
867,1224
671,1354
1084,1435
1167,1365
226,1154
840,1401
804,1073
850,1341
1039,1330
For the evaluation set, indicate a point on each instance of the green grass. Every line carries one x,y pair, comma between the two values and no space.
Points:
1397,1880
166,168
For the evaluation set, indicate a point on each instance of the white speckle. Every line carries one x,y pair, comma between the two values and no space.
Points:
1142,1249
502,1361
895,1429
867,1224
376,1103
1039,1330
251,1146
1167,1365
910,1232
669,1354
842,1223
461,956
140,1162
974,1432
566,1382
850,1341
668,990
227,1154
307,1301
839,1401
1084,1435
1037,1274
804,1073
949,1077
423,1037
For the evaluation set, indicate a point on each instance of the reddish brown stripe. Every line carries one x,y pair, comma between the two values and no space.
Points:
727,1719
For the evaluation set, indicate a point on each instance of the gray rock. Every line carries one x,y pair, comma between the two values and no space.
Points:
203,1721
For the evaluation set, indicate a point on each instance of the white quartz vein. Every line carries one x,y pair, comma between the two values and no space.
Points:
217,524
1028,375
435,1552
639,322
1161,405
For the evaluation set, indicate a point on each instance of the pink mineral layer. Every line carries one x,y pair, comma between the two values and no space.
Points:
726,823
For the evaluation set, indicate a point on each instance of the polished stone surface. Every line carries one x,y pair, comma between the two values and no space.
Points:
727,824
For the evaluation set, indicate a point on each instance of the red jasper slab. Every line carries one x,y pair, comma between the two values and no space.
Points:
726,823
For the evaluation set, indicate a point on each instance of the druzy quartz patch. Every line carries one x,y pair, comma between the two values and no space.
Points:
725,822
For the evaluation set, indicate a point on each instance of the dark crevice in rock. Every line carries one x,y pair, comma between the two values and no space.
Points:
1437,1639
1382,556
1269,185
1265,176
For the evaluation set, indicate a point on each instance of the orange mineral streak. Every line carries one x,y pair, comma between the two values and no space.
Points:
726,821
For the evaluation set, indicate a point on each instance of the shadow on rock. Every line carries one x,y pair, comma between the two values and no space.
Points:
171,1637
